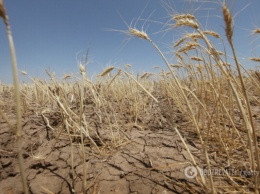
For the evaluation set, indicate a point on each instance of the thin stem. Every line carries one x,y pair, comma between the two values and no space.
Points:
81,132
18,107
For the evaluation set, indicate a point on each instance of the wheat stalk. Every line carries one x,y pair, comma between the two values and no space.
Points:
17,96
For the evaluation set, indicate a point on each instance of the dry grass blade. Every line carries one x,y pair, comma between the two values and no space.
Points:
106,71
117,74
191,156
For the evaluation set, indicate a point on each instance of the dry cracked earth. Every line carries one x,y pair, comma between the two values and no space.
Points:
148,161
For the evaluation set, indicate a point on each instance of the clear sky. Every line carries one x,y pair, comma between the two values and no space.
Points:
53,35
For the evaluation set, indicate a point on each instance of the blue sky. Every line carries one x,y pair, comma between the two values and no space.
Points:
53,35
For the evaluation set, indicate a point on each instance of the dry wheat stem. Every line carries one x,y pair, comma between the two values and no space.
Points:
17,96
192,158
117,74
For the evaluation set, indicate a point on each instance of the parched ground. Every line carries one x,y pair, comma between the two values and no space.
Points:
151,159
150,162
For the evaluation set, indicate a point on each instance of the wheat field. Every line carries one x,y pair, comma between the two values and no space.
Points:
192,128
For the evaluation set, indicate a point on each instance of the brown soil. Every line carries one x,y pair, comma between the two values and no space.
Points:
148,161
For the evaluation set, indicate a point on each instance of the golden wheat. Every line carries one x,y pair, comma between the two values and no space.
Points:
228,21
106,71
212,33
139,34
255,59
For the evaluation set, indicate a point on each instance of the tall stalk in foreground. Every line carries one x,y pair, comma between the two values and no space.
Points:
229,34
17,95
